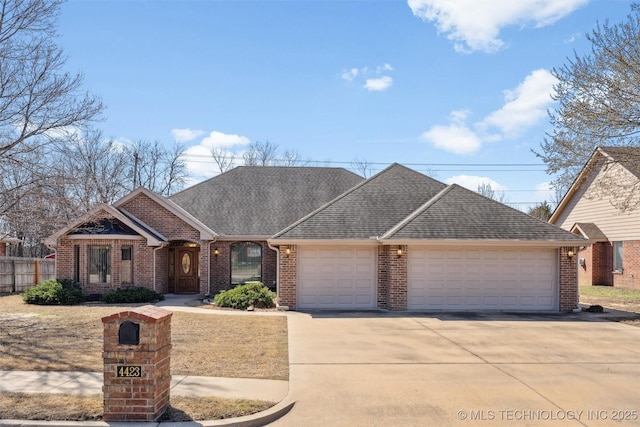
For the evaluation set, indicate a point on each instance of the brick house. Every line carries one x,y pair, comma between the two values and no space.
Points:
602,206
325,238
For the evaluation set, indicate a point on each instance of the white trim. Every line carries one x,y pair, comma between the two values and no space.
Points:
205,232
487,242
323,242
104,237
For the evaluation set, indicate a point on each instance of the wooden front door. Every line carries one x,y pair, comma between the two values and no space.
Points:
186,273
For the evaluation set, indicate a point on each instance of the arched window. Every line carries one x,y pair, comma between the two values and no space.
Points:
246,262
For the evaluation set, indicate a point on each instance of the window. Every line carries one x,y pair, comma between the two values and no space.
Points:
76,264
126,264
99,264
246,262
617,256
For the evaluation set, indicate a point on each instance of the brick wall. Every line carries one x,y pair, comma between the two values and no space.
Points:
3,249
288,276
383,276
397,265
630,276
568,283
143,398
142,263
602,264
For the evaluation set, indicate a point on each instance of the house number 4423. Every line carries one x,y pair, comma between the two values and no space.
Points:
129,371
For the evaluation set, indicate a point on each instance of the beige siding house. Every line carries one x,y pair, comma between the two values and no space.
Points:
603,205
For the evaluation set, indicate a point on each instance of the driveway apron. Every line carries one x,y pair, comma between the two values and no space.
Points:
379,369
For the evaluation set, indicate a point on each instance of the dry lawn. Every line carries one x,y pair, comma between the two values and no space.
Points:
52,407
60,338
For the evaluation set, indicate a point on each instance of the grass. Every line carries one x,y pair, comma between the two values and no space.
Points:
614,294
62,338
53,407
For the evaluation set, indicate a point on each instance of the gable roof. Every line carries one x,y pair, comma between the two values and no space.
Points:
369,209
153,237
590,231
457,213
261,200
628,157
205,232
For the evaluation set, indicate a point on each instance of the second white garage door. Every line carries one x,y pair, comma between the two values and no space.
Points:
482,279
330,278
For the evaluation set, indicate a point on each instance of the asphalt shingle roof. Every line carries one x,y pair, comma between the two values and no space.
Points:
261,200
370,208
458,213
591,230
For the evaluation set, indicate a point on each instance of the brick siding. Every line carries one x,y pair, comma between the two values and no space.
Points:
221,265
288,276
630,275
568,283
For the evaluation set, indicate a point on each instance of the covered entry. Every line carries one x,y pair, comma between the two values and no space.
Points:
184,268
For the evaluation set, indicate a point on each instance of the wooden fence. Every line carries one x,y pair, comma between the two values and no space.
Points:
20,274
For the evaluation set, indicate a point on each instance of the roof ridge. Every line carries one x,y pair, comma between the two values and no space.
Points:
416,212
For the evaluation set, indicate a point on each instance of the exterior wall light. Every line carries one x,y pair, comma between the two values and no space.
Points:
216,251
571,254
399,252
287,251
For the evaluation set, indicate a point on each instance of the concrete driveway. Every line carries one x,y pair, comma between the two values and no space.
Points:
350,369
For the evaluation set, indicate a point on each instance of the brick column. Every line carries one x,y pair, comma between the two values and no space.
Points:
383,277
397,266
568,279
137,376
288,276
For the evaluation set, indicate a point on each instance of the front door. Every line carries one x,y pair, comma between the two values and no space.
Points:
186,270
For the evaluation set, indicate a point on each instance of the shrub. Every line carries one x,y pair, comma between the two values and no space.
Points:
243,296
131,295
54,292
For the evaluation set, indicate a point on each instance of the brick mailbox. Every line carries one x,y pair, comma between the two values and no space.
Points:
137,376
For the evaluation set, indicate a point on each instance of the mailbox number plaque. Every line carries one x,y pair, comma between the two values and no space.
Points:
126,371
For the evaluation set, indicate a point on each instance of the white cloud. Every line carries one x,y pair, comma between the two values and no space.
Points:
218,140
351,74
186,134
455,138
543,192
472,182
378,84
199,160
474,25
525,105
374,81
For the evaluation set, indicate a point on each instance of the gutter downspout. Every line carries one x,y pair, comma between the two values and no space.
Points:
277,249
163,245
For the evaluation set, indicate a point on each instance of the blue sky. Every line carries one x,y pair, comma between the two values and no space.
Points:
458,89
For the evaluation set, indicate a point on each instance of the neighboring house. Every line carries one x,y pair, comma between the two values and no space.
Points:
324,238
603,205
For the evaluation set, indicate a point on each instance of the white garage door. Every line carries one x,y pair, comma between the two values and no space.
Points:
482,279
330,278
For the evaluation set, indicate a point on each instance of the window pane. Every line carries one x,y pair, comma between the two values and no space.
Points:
246,262
126,265
99,264
617,256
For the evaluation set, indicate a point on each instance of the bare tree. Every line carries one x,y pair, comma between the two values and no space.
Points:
260,153
485,190
362,166
154,167
40,104
225,160
291,158
598,98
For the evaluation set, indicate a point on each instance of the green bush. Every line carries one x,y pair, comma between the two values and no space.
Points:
243,296
54,292
131,295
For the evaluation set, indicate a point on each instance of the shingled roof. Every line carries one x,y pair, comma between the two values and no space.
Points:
461,214
369,209
261,200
